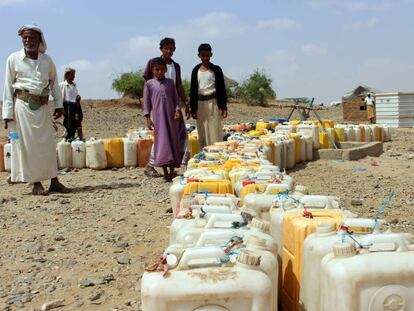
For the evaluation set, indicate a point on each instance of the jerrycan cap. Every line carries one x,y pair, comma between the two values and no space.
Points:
301,189
256,242
248,258
344,249
325,229
262,225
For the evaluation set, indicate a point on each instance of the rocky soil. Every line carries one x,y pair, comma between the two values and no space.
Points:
87,250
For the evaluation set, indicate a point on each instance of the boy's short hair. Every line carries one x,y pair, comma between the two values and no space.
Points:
204,47
166,41
159,61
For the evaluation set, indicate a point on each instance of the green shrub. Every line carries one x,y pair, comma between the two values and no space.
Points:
130,84
256,89
186,86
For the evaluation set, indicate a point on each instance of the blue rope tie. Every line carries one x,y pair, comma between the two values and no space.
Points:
382,208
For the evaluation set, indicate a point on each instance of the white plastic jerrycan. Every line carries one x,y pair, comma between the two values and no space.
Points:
268,264
319,244
262,203
78,154
196,286
197,216
130,150
189,237
7,157
95,154
64,151
380,278
197,226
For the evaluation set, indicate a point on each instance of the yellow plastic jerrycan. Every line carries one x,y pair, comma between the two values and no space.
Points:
297,225
295,122
114,149
323,140
340,134
211,186
261,125
326,123
194,144
298,146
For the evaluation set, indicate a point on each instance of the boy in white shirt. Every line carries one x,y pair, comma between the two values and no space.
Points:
72,106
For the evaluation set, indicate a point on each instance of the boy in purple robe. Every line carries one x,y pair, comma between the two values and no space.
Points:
162,110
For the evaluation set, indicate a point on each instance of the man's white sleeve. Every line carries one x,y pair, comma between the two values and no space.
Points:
8,103
54,86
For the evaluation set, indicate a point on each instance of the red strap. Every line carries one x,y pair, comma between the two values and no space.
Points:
247,182
307,214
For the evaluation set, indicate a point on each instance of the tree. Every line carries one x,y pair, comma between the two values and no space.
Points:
186,86
130,84
256,89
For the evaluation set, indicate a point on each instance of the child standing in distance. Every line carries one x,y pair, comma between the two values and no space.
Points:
162,110
71,104
208,98
167,48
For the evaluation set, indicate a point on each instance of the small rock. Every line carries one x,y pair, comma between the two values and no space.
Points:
59,238
78,303
122,244
116,269
96,296
410,156
393,221
64,201
86,283
356,202
123,260
52,305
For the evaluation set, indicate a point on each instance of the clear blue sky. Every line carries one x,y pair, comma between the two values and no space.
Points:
320,48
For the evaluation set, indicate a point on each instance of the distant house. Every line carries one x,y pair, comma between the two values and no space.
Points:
353,105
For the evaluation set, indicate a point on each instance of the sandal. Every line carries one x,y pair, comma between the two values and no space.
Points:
59,188
39,190
151,172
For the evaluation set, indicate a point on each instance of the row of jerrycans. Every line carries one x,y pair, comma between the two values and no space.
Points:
100,154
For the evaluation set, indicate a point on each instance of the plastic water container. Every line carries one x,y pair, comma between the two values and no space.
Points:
319,244
378,278
357,132
198,211
268,264
78,154
210,185
350,133
290,153
285,129
298,147
308,148
195,285
64,151
95,154
340,134
387,134
323,140
2,156
7,157
367,133
331,134
376,132
114,149
144,146
194,143
311,130
297,225
195,236
262,125
130,151
262,203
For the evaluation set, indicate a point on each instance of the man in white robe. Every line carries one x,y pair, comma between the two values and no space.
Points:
30,76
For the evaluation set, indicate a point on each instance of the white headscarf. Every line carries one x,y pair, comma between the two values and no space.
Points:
42,44
69,69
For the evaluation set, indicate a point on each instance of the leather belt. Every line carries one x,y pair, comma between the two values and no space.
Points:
34,99
207,97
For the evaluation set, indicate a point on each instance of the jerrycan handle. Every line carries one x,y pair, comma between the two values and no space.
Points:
231,202
214,236
216,218
365,223
213,252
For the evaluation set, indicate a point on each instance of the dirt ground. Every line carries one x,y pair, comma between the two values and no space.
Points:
89,248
